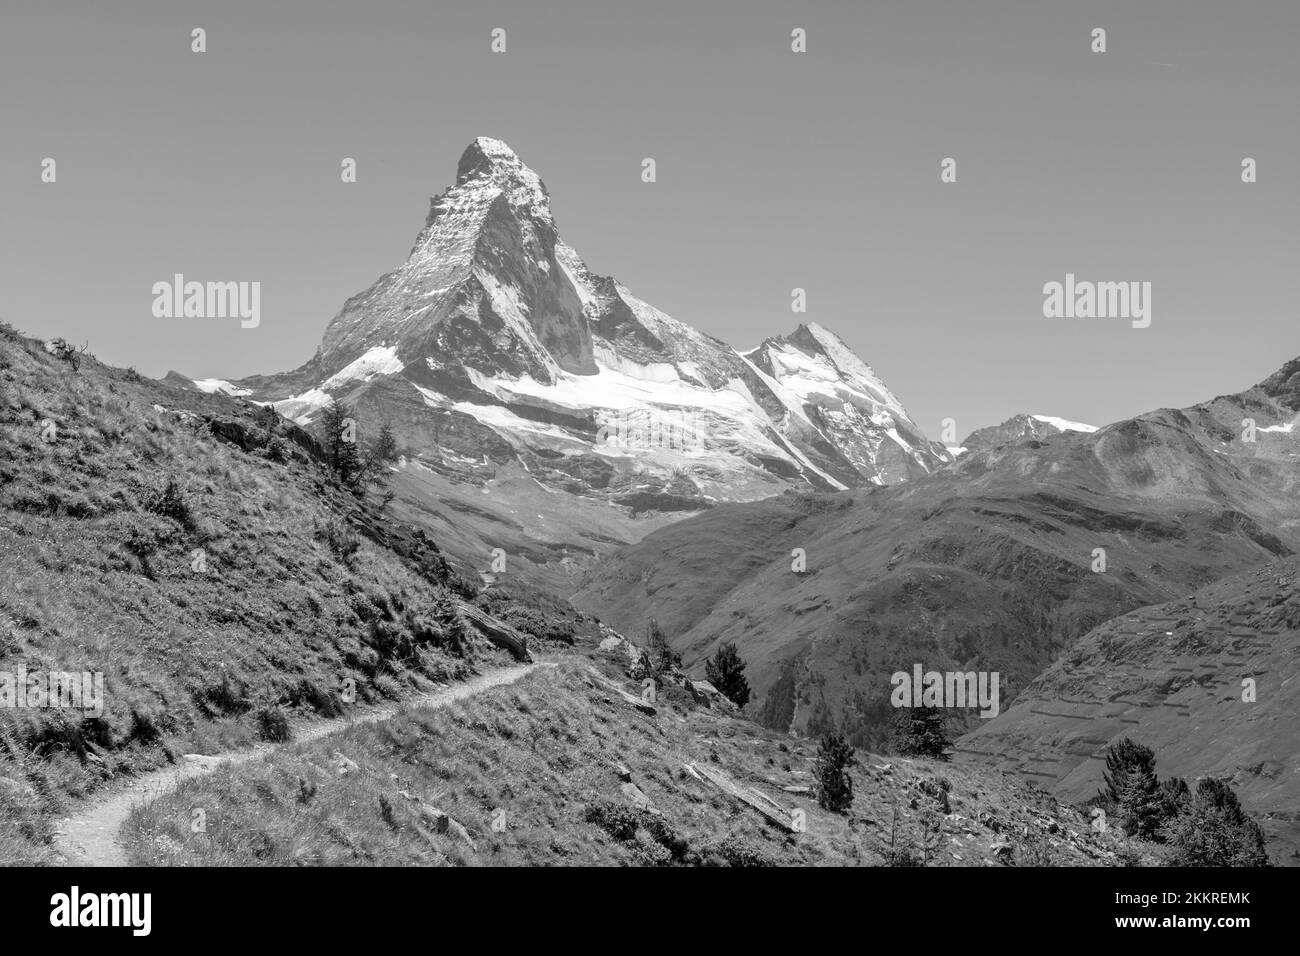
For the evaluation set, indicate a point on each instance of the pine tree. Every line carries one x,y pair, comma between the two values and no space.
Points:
1213,830
920,732
666,660
1123,758
1175,795
834,785
726,671
341,443
1141,803
382,452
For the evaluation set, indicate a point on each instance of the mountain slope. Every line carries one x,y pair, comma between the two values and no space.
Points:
556,770
499,356
1171,676
191,550
987,564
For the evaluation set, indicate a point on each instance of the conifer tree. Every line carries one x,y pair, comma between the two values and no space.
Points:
726,671
341,443
834,785
920,732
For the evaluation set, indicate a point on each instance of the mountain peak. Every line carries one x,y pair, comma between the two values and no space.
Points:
486,151
498,326
491,162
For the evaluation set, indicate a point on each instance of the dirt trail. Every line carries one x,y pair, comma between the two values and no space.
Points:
90,837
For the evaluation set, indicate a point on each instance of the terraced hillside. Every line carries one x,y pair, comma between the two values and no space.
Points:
1171,676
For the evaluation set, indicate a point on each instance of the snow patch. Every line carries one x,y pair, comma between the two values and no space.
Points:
218,386
1064,424
380,360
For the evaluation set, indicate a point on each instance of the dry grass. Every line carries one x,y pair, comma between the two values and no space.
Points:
539,756
100,529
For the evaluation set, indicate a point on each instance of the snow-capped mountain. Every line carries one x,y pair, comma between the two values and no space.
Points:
1019,427
494,344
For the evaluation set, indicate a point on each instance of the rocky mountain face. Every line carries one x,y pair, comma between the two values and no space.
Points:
1018,428
500,358
998,562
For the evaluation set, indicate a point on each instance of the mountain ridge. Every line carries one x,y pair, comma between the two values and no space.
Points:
991,563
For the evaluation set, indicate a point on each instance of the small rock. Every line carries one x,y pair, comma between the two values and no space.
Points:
635,794
344,765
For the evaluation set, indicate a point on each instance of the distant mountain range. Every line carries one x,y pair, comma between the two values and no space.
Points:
988,564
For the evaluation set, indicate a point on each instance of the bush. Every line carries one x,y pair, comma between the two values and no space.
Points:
272,724
228,697
736,851
61,349
171,503
658,661
902,857
625,823
834,785
340,538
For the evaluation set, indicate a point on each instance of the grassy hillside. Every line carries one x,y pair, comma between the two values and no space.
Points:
195,552
571,773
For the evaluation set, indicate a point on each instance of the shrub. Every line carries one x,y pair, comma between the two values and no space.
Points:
736,851
272,724
340,538
902,857
61,349
170,503
658,660
625,824
230,696
834,785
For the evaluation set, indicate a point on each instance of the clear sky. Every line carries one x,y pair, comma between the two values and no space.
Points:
775,170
